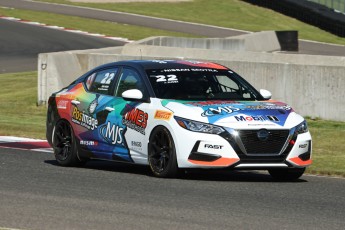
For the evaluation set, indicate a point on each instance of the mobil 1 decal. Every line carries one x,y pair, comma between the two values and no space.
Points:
247,112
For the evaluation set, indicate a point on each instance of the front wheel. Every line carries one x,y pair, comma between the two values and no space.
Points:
286,174
65,145
162,153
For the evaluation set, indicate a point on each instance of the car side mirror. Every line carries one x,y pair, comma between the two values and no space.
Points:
133,95
265,94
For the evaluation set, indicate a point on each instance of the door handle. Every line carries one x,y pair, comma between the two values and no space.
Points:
75,102
109,109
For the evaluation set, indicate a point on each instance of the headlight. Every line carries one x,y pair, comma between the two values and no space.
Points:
196,126
302,128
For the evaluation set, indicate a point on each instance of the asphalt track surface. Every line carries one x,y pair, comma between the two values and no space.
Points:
21,43
35,193
305,47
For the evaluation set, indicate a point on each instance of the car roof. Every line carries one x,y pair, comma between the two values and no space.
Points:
168,64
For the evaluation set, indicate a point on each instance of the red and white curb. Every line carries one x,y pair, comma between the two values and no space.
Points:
65,29
25,144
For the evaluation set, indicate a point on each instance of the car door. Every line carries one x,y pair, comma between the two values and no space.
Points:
90,111
124,130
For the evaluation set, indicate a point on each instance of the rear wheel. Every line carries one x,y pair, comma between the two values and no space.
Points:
162,153
286,174
65,145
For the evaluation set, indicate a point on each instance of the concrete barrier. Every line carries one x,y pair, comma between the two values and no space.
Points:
266,41
312,85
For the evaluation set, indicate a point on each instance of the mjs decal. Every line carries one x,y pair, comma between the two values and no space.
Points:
112,133
219,111
136,119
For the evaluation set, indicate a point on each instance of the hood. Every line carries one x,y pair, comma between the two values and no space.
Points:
236,114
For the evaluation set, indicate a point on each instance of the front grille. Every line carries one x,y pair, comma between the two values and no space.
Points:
273,145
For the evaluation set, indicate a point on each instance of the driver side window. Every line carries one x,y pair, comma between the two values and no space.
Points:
129,79
101,82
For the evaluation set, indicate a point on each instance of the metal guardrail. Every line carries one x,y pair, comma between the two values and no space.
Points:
338,5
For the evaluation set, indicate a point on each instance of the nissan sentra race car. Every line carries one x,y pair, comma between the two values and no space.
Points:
176,114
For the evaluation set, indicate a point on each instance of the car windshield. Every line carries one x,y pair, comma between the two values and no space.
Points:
201,84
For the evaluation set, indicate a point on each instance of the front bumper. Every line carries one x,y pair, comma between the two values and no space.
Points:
198,150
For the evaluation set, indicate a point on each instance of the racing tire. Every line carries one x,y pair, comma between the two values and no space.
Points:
286,174
65,145
162,153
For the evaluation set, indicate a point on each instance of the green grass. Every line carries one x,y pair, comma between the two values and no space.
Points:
19,116
328,147
226,13
90,25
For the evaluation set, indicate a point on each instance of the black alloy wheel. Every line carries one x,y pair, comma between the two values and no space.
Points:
162,153
64,144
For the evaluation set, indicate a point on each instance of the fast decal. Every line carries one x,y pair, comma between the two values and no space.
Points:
163,115
219,111
209,146
256,118
136,119
112,133
83,119
302,146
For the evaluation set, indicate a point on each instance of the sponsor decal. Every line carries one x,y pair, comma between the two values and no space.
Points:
136,144
159,61
209,146
62,104
112,133
256,118
93,105
136,119
268,106
219,111
83,119
210,103
168,79
273,118
204,70
302,146
190,70
176,70
89,143
163,115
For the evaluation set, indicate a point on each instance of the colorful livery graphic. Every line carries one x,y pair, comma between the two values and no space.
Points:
176,114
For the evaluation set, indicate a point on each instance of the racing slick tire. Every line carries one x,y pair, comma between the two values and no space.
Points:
286,174
65,145
162,153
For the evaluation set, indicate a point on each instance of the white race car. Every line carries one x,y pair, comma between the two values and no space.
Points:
176,114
